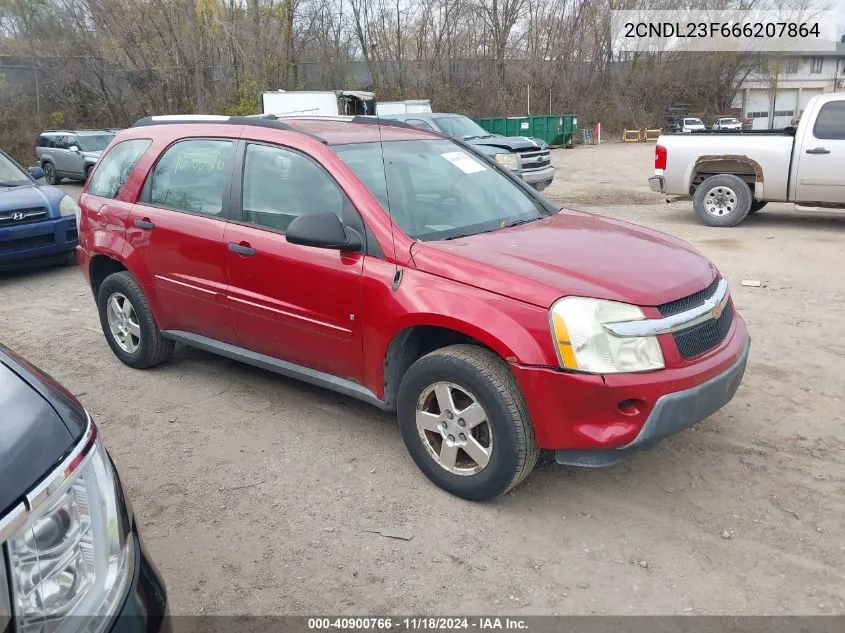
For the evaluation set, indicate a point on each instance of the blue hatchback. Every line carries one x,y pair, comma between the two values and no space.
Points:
35,221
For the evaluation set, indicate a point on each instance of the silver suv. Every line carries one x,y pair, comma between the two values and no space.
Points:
70,153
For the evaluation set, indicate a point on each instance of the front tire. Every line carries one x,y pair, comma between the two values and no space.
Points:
128,323
722,200
465,423
50,175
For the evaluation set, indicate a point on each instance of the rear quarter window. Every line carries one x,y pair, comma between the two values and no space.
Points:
114,168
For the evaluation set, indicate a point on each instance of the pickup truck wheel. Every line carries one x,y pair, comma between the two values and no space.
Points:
722,200
465,423
756,206
128,323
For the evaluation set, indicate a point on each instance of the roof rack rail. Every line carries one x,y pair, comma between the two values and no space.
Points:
263,120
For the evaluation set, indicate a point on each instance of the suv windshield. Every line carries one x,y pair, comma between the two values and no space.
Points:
94,142
435,190
693,122
461,127
10,174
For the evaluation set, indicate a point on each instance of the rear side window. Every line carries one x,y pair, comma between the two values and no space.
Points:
192,176
831,121
60,142
44,141
114,168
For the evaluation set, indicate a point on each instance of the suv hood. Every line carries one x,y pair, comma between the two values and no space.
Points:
572,253
29,195
512,143
40,423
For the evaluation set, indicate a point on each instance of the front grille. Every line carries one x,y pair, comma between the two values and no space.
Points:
705,336
28,242
15,217
690,302
535,159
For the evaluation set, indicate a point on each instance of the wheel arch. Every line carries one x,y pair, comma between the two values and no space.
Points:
100,267
745,168
421,334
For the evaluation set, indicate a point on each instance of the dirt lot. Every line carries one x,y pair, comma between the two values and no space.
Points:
253,491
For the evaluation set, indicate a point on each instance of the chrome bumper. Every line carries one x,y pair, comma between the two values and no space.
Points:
535,176
656,183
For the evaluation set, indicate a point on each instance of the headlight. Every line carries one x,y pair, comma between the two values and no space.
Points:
68,206
584,345
511,161
72,557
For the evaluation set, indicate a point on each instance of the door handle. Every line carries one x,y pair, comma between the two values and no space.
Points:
242,249
144,224
818,150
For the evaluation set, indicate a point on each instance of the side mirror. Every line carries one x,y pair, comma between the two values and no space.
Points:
74,149
323,230
36,172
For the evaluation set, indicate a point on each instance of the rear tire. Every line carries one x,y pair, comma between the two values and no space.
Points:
128,323
722,200
50,175
70,258
496,430
756,206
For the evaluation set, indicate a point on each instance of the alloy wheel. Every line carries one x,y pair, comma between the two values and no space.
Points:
123,323
454,428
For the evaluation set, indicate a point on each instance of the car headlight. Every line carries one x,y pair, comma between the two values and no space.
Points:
68,206
583,344
511,161
73,556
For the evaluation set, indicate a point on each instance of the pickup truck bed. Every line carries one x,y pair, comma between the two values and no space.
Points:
731,174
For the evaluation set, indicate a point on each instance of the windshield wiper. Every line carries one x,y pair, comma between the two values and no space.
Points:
518,222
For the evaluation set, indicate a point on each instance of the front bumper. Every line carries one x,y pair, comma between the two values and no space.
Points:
587,412
655,183
539,178
671,413
145,608
40,239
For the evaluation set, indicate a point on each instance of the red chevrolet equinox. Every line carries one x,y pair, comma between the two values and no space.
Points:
400,267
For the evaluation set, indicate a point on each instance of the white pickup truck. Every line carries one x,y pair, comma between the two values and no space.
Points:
731,174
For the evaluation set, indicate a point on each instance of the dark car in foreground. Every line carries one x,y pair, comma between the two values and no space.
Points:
35,221
70,555
402,267
530,158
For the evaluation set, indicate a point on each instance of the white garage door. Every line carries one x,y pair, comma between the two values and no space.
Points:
806,95
757,108
785,107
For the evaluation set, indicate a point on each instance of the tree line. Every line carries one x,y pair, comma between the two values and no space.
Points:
104,63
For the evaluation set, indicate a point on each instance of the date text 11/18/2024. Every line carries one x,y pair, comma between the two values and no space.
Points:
417,623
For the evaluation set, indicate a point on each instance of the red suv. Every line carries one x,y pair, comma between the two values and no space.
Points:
400,267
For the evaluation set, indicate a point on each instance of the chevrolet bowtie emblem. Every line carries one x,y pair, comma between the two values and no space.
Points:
715,308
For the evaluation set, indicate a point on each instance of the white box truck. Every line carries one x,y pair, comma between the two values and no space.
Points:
318,103
411,106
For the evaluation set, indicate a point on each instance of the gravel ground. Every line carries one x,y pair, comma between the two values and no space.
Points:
254,492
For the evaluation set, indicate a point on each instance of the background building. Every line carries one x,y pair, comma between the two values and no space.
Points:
779,90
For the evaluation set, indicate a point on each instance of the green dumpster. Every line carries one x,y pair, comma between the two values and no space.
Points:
556,130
